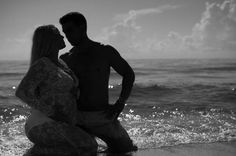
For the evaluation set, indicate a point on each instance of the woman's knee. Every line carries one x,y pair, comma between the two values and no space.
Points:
89,146
92,144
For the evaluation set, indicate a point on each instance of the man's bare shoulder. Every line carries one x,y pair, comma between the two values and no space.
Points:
108,51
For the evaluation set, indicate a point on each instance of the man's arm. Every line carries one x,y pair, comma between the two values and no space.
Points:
124,69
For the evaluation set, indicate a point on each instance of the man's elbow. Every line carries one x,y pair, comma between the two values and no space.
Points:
130,75
18,93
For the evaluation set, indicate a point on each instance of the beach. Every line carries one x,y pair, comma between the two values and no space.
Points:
212,149
205,149
177,107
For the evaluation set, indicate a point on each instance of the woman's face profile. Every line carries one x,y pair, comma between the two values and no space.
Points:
60,43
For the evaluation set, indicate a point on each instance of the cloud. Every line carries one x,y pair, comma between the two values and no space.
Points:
215,33
130,18
22,38
124,33
19,45
172,41
216,30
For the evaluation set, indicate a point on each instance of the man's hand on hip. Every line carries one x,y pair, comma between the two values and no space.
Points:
116,109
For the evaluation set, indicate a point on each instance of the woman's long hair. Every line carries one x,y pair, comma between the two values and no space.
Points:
43,42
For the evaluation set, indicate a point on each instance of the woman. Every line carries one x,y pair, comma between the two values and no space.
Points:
49,88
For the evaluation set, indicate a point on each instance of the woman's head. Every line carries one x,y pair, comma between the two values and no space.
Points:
47,41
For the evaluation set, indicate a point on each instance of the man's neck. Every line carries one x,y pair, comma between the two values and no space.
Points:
84,45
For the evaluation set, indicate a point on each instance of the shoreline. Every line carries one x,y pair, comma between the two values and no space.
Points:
194,149
204,149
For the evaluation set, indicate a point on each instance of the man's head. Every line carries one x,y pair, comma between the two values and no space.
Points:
74,25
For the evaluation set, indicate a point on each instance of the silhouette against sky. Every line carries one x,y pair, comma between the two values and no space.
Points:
137,28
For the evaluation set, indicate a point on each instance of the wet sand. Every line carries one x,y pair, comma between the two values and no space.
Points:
212,149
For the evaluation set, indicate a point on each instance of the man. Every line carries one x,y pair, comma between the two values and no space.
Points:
91,62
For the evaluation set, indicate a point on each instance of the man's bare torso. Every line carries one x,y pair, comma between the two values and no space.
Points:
92,69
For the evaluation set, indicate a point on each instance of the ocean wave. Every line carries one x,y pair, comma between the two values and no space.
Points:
148,127
3,97
13,140
169,89
11,74
152,86
147,86
201,86
148,130
169,128
9,112
223,68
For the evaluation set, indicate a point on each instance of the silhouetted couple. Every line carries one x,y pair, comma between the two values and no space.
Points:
69,96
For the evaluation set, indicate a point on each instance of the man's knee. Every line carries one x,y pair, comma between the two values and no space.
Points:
90,146
122,147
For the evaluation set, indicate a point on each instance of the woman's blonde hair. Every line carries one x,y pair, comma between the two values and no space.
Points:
43,40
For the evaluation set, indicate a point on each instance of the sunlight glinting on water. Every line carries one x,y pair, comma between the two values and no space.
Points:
170,128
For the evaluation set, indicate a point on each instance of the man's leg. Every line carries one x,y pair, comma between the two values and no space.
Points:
115,136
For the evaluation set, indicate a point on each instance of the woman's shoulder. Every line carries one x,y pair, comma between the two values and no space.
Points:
64,66
41,64
63,63
43,60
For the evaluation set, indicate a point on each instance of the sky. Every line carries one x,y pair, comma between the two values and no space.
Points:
138,29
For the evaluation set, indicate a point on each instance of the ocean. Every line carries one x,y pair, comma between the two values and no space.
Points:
173,102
